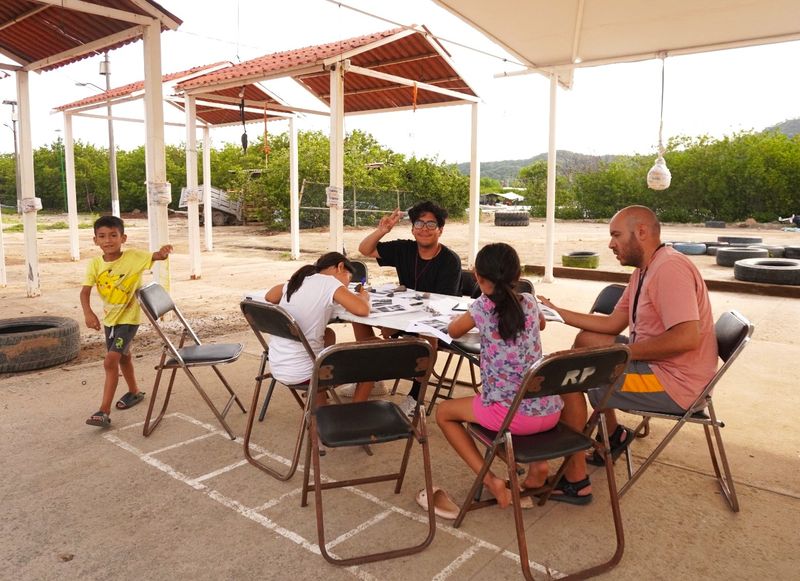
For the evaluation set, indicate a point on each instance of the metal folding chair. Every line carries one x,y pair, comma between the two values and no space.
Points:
607,299
266,319
156,303
556,374
733,332
369,422
360,272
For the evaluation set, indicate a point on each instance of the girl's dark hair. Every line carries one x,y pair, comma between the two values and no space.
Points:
324,261
499,263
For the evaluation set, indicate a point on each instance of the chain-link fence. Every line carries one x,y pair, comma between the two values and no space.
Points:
362,207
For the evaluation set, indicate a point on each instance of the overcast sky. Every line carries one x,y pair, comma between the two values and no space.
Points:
611,109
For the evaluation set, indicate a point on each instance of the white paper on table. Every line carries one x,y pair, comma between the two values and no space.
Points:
433,327
549,314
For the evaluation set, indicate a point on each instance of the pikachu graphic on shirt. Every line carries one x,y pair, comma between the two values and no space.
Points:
111,288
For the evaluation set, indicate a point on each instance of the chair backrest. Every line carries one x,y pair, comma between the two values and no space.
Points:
411,358
733,332
524,286
571,371
360,272
469,285
155,301
607,299
269,319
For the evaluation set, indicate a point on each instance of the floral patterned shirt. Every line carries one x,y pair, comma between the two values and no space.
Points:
504,363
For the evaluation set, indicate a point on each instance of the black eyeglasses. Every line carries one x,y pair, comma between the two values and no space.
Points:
430,224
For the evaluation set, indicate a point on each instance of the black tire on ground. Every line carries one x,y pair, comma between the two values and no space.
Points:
690,248
511,219
729,256
28,343
581,259
774,250
740,239
715,224
218,218
791,251
768,270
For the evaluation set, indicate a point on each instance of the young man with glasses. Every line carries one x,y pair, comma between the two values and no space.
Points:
423,264
673,346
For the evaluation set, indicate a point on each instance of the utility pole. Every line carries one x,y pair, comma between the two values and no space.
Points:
105,69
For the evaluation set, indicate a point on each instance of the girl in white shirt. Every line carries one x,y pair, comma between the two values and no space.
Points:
309,297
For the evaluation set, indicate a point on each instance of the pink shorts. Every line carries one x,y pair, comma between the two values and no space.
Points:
491,417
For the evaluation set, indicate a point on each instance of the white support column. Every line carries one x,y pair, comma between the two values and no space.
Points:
192,191
207,189
30,203
3,279
294,193
72,202
337,155
159,193
474,191
551,185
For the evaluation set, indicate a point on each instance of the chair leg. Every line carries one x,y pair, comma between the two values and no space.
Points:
633,476
220,416
266,401
234,397
149,425
722,469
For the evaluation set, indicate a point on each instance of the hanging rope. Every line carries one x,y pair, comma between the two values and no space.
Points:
244,126
414,97
661,121
266,141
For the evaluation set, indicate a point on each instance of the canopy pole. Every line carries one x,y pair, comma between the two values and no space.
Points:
159,192
30,204
294,194
474,191
207,224
551,184
72,203
336,243
192,191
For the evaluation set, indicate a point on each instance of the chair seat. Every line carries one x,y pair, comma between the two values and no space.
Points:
207,354
362,423
555,443
471,345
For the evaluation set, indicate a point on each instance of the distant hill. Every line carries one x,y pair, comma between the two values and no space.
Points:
790,127
507,171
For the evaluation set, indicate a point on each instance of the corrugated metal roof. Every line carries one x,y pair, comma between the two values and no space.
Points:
31,32
406,53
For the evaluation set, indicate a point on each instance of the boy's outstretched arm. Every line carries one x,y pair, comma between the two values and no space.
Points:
162,253
88,314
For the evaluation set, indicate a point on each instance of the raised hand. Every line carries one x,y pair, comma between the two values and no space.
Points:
163,252
388,222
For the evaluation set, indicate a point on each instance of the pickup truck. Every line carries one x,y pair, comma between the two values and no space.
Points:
224,211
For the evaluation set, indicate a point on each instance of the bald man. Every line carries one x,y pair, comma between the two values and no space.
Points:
671,337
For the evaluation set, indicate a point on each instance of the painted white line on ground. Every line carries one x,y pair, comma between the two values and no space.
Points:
457,562
275,501
179,444
360,528
222,470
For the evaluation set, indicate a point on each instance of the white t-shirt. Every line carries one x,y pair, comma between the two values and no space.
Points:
312,306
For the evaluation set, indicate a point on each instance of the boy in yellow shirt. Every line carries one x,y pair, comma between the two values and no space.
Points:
117,274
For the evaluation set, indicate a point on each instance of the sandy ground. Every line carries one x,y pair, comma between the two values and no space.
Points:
80,503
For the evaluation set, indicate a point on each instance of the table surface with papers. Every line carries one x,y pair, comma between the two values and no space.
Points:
407,310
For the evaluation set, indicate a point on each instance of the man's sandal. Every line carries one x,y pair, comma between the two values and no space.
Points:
99,419
566,491
129,400
618,446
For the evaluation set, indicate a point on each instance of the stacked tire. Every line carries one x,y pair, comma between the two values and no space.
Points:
511,219
581,259
729,255
768,270
28,343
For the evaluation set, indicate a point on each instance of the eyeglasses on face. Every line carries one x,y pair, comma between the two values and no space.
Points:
430,225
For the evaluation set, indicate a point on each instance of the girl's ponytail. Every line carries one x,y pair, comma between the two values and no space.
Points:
325,261
499,263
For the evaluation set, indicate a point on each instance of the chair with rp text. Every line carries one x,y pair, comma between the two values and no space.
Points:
155,303
559,373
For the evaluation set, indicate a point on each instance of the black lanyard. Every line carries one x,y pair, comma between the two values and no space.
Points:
642,274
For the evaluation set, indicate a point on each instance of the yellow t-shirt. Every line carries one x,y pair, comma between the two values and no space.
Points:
117,283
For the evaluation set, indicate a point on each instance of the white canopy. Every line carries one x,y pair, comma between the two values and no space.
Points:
554,38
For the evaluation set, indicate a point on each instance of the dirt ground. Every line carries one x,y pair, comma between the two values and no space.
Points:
81,503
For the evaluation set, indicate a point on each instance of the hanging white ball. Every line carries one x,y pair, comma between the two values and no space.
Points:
659,177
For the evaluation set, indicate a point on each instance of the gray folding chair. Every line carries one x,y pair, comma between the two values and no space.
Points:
373,422
556,374
156,303
607,299
733,332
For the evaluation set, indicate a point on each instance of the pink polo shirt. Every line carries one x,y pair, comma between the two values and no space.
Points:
673,292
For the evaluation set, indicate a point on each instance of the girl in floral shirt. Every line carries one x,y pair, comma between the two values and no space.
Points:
509,325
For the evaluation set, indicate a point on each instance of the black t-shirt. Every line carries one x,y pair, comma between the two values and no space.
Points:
441,274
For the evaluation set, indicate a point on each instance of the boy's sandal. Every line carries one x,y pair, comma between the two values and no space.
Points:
618,446
129,400
566,491
99,419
